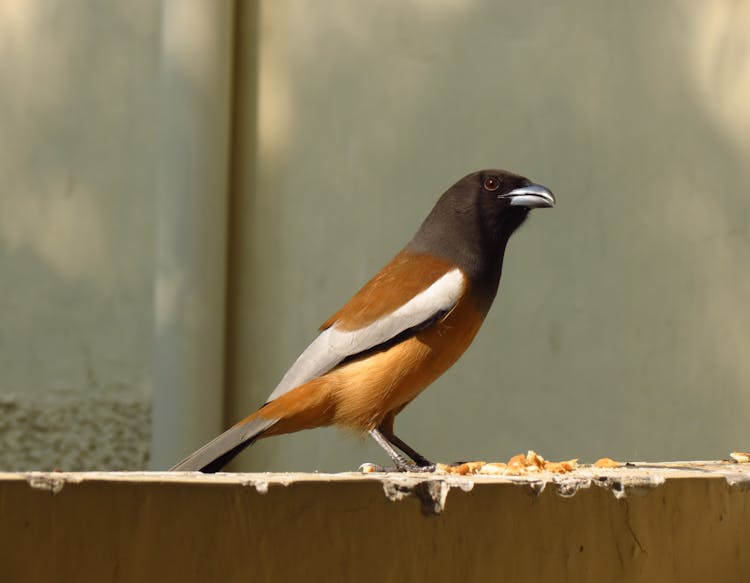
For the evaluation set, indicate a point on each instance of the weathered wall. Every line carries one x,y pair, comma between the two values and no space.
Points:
77,202
622,325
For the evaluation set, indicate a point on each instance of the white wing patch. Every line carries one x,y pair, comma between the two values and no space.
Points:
334,345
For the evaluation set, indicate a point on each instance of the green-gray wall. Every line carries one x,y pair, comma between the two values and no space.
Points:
621,328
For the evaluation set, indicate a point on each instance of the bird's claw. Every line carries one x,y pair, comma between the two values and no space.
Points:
403,467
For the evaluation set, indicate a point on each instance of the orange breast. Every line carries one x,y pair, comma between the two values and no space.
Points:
363,392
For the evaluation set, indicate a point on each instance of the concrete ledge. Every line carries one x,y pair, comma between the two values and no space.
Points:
643,522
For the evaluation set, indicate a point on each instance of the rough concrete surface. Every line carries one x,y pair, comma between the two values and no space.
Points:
75,430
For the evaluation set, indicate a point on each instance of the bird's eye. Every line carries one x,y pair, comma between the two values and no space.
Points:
491,183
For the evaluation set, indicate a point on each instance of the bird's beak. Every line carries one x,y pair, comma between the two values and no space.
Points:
531,196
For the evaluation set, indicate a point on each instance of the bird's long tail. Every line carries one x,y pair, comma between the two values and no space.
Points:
217,453
304,407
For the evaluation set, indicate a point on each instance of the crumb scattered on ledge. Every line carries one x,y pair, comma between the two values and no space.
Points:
740,457
518,465
606,462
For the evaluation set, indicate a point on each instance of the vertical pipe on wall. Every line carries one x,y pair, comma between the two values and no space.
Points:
190,279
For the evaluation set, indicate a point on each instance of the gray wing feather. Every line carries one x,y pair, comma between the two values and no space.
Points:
333,345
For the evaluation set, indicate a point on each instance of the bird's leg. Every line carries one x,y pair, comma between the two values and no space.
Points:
393,439
402,464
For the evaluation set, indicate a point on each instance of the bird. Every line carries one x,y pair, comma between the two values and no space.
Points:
402,330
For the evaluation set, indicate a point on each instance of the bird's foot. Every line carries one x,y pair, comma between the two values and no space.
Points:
411,467
419,465
403,466
426,469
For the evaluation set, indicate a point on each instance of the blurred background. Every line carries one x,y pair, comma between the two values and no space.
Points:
191,187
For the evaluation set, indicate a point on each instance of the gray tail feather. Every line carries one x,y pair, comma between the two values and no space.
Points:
218,452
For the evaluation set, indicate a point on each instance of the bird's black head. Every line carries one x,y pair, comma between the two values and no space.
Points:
473,220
